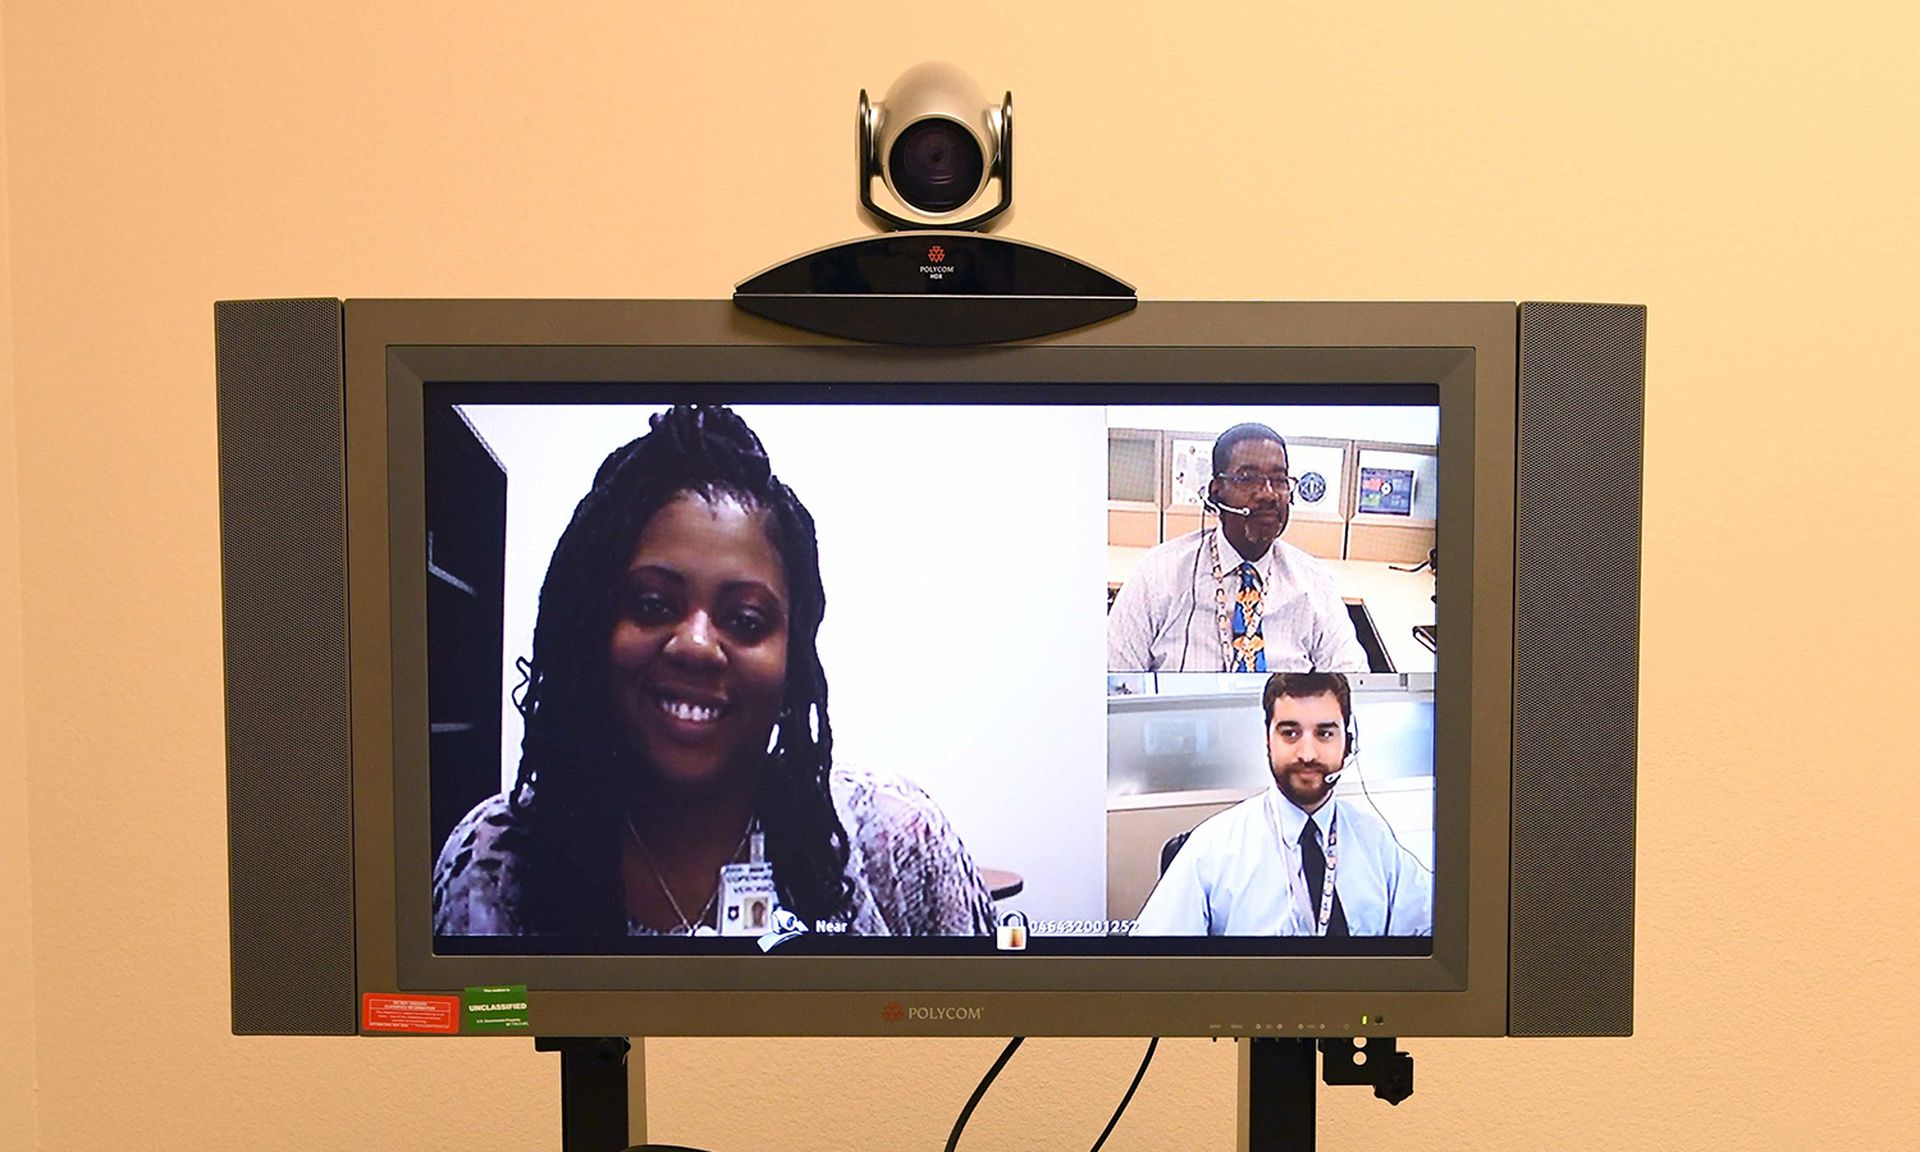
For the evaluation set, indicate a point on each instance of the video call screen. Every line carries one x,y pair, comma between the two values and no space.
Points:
1040,671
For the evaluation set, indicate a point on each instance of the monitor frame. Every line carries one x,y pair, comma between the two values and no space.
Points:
391,348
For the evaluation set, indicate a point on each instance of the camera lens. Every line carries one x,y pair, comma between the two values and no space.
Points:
935,165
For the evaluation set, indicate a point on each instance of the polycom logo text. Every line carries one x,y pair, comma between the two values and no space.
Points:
950,1013
893,1013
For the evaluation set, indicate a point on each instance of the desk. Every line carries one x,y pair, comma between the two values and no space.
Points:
1003,883
1396,600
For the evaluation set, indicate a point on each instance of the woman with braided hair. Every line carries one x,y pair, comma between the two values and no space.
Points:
676,721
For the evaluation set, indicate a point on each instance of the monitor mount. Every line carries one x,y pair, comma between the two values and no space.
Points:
1277,1090
1278,1094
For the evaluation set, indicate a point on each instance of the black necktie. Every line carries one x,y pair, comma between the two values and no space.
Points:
1314,862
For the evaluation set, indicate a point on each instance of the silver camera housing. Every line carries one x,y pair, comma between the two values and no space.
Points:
935,97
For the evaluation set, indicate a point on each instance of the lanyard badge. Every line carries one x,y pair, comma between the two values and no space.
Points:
1326,886
747,891
1324,910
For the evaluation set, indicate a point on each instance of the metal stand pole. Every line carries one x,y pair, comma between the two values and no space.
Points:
593,1091
1278,1088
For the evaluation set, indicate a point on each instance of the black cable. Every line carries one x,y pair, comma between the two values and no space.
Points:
1124,1100
1432,561
1013,1046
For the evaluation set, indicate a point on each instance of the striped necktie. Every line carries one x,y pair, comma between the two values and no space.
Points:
1249,647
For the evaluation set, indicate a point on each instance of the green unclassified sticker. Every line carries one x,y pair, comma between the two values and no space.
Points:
494,1008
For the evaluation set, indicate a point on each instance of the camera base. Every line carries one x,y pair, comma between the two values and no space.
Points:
934,288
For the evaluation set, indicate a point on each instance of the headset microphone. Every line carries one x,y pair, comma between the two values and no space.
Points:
1352,750
1207,504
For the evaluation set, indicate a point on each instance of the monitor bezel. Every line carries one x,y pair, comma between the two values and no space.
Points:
393,348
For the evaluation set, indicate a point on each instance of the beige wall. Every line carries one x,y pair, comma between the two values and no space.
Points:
18,1107
1744,169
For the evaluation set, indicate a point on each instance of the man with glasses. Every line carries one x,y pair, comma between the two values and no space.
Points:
1234,598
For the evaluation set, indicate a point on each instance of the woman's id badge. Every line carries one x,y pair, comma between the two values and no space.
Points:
746,898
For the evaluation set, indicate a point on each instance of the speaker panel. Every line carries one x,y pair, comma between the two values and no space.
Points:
1576,669
284,616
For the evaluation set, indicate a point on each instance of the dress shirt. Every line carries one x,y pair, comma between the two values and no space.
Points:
1166,617
1240,874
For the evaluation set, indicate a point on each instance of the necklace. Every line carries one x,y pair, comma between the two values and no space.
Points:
646,857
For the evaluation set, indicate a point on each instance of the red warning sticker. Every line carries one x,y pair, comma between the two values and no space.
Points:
383,1013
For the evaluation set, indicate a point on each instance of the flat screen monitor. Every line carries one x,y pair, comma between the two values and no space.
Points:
686,674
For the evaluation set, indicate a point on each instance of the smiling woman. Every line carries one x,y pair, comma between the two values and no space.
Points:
698,658
677,737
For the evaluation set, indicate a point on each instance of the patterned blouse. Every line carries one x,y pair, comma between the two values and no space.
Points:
911,874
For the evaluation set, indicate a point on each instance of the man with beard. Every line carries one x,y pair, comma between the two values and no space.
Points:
1234,598
1295,860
